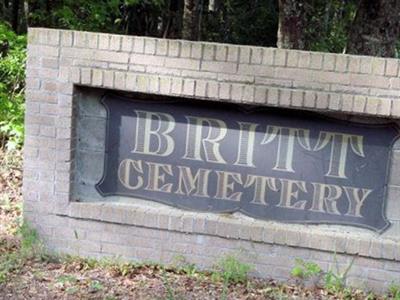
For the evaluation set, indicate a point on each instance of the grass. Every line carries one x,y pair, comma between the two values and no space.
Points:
30,248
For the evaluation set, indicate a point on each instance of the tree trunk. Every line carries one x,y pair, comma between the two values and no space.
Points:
190,26
292,24
15,15
26,14
2,10
376,28
171,20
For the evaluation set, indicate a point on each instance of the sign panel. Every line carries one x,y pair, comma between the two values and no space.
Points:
268,164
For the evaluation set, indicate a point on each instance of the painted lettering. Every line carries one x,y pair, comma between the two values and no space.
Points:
146,134
225,187
189,184
340,144
203,136
286,137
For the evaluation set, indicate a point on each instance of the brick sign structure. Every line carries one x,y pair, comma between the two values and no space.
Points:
242,143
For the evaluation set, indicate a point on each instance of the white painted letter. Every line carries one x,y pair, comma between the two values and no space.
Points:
355,200
224,186
195,142
286,138
155,178
261,184
246,144
326,195
197,183
340,142
162,144
288,193
124,173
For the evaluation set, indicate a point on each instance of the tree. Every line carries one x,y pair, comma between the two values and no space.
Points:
191,20
376,28
292,24
250,22
15,15
171,24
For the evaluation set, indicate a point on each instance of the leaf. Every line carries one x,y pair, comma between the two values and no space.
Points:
297,272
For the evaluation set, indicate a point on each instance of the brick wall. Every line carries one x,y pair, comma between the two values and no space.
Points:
61,62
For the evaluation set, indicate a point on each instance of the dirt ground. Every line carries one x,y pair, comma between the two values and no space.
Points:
28,272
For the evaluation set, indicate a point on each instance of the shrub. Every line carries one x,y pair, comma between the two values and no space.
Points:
12,87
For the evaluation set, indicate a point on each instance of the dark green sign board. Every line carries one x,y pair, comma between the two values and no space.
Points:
268,164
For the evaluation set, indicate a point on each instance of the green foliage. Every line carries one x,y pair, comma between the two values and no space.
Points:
394,291
87,15
243,22
182,265
31,248
335,280
168,288
63,279
124,268
7,204
12,87
96,285
328,25
29,238
305,270
67,282
230,270
115,16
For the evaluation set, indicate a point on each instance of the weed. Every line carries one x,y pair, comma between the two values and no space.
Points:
67,282
63,279
8,263
335,281
39,275
305,270
124,268
86,263
190,270
231,270
181,264
370,296
168,288
6,203
394,291
72,290
31,248
30,242
95,286
91,263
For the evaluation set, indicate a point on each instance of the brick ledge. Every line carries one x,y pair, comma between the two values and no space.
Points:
227,226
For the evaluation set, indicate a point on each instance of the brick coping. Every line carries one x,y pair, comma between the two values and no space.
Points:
358,85
231,227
